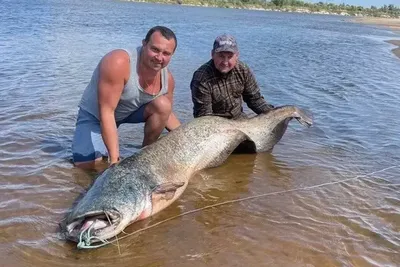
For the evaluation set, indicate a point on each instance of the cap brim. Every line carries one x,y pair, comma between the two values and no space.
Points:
225,49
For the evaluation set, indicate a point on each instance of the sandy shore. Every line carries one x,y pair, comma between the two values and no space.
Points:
393,24
396,51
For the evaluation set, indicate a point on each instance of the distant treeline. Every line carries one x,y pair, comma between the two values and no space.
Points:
382,11
294,5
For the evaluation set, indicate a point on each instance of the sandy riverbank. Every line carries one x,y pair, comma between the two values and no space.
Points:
396,51
393,24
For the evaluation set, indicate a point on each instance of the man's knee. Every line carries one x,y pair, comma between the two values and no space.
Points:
160,106
87,164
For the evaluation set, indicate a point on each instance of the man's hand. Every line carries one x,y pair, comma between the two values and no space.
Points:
113,161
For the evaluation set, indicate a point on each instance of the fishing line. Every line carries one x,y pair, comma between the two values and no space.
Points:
252,197
116,237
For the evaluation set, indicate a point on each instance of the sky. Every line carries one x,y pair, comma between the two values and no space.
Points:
364,3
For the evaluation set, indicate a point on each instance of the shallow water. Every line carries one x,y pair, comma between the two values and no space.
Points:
328,195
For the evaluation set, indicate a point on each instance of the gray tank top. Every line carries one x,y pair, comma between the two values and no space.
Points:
133,95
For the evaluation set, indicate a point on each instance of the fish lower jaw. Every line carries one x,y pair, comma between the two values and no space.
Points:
102,236
94,228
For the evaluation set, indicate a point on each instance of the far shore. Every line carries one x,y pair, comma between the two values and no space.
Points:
391,23
388,22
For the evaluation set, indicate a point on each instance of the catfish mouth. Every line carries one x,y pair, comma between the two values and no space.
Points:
305,121
95,227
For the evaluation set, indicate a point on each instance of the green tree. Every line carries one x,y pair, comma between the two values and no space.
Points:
278,2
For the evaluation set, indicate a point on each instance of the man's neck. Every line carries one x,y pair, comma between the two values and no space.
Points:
148,78
146,73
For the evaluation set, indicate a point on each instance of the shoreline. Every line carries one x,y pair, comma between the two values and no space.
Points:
388,22
395,51
267,6
391,23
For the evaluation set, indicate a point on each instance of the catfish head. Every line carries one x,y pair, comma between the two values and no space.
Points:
108,208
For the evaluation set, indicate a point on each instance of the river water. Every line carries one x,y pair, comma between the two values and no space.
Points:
328,195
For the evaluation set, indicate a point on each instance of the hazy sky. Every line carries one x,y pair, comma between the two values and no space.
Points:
364,3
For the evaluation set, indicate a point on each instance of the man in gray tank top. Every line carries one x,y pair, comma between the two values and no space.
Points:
126,87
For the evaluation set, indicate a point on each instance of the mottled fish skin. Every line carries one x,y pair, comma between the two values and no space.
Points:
126,190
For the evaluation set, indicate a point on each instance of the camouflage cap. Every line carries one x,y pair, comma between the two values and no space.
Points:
225,43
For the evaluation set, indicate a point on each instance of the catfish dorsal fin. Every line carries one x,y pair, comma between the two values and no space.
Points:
166,190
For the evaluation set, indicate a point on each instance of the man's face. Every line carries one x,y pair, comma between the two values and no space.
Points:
157,53
225,61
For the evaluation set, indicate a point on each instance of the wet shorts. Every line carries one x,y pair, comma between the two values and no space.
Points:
88,144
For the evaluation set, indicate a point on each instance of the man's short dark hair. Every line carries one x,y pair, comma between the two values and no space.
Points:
166,32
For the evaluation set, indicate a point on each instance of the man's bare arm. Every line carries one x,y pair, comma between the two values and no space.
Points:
114,71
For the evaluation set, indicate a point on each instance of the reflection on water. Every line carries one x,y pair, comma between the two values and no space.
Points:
326,196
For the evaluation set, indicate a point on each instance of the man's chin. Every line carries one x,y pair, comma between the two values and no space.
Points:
157,67
224,71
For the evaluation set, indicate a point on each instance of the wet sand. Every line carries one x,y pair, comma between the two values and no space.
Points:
396,51
393,24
